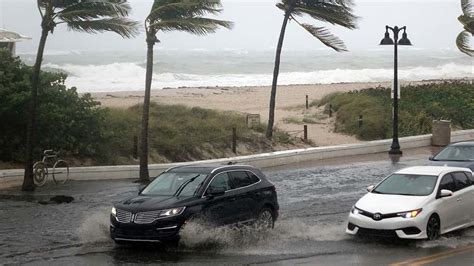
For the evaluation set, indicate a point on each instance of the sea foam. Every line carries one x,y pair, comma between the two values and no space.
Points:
131,76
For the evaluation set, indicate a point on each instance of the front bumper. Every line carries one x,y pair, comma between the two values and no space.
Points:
163,230
411,228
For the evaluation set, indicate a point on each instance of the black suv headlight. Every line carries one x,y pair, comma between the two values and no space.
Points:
172,212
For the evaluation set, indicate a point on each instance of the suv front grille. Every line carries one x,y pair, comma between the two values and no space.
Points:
147,217
124,216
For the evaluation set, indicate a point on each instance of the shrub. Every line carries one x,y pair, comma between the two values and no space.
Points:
66,121
418,106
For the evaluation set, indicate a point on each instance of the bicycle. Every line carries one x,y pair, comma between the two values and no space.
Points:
60,169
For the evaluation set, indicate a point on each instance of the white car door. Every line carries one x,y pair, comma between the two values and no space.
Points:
448,207
465,196
469,175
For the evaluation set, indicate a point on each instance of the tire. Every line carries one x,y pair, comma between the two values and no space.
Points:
433,228
40,173
265,219
60,172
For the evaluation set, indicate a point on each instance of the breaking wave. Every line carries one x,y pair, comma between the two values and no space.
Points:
131,76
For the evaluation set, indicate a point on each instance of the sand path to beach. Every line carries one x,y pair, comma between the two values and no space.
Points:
255,100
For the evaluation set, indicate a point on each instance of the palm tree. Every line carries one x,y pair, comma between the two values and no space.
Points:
91,16
336,12
467,20
173,15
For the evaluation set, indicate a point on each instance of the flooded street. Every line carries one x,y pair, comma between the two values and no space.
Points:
314,204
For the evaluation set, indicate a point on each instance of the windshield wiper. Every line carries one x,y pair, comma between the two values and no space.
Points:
377,192
181,188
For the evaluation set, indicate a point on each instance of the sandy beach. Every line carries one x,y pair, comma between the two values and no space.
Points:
290,104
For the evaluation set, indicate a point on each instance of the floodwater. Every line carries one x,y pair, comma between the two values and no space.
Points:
314,204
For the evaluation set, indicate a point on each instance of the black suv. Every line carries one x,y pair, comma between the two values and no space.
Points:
220,195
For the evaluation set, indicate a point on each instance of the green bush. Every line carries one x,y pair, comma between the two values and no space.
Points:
418,106
66,121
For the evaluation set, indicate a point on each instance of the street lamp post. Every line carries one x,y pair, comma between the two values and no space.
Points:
395,147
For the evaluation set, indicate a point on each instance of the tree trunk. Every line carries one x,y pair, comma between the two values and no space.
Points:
144,174
28,183
276,71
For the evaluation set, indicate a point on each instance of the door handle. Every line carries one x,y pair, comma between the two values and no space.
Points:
232,199
459,199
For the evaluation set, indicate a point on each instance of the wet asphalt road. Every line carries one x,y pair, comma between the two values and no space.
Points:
314,200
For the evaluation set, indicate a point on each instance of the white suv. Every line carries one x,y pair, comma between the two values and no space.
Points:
416,202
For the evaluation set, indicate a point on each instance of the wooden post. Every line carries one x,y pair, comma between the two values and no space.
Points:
330,110
234,140
360,121
307,102
135,147
305,135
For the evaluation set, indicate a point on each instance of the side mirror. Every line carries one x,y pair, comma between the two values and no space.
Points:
431,158
370,188
216,191
445,193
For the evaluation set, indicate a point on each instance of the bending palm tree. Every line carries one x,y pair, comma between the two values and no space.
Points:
336,12
90,16
467,20
173,15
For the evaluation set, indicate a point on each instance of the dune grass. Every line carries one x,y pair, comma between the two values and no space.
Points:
418,107
180,133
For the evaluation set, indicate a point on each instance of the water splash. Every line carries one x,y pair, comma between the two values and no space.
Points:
451,240
249,240
95,228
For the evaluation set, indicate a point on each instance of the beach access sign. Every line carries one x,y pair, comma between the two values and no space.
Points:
253,120
393,90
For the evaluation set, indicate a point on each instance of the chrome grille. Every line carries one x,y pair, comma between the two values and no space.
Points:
147,217
124,216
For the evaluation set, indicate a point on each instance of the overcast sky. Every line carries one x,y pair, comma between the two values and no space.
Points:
430,24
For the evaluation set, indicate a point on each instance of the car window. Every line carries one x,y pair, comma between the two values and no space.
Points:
447,183
172,183
240,179
469,175
461,180
253,177
221,180
456,153
406,184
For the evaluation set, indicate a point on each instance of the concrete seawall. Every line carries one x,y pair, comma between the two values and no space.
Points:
259,160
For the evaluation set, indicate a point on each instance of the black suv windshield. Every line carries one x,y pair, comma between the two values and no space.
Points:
174,184
456,153
410,185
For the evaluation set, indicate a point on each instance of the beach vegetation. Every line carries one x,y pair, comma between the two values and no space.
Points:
419,106
336,12
67,121
165,16
467,20
88,16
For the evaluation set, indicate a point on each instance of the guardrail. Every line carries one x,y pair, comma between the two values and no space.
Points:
259,160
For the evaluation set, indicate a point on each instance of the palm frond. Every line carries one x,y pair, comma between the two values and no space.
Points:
467,8
196,25
88,9
334,14
122,26
184,8
462,41
326,37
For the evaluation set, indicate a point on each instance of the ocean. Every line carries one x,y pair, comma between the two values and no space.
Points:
103,71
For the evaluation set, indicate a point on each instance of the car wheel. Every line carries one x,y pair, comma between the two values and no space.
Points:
265,219
433,227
